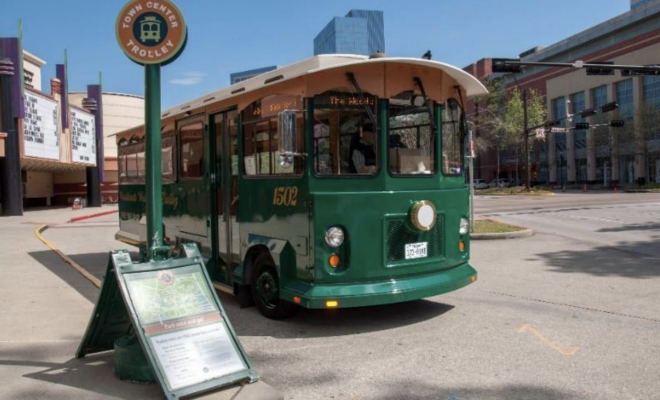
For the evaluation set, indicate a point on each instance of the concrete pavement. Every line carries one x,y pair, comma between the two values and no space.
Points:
46,306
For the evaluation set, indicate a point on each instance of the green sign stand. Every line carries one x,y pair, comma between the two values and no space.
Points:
162,316
180,324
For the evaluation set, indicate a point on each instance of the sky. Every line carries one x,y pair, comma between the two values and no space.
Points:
226,37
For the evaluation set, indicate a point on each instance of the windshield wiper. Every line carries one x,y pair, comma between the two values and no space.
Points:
367,107
418,82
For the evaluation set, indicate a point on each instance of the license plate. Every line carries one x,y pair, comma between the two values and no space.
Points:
415,250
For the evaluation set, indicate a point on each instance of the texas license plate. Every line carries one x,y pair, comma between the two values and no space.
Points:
415,250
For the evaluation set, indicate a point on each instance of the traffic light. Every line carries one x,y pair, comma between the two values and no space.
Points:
649,70
600,71
581,125
611,106
503,65
617,123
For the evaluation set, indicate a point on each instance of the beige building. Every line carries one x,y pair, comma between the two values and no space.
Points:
53,165
120,112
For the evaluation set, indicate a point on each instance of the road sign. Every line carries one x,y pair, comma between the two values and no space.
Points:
540,133
558,129
151,32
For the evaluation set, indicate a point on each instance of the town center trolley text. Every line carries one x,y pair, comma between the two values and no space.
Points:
334,182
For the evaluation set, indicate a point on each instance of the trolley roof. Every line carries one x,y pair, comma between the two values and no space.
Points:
326,62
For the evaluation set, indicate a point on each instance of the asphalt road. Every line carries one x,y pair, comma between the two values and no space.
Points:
570,313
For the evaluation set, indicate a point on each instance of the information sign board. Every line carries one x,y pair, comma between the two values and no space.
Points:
181,324
41,137
83,137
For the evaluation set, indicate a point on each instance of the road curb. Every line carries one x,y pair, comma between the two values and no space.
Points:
98,214
524,232
506,235
82,271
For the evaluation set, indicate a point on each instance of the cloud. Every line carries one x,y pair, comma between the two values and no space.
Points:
190,78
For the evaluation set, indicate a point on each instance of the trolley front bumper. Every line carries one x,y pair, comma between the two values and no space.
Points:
380,292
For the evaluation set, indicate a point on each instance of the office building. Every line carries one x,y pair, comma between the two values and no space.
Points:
359,32
601,154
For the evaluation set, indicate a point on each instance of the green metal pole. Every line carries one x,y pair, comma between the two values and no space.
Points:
153,160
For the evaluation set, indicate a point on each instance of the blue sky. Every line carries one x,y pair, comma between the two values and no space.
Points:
227,37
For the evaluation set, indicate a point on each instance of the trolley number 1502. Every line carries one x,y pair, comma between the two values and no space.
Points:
285,196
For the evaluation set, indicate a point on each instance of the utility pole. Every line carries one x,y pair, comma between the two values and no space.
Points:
527,177
12,185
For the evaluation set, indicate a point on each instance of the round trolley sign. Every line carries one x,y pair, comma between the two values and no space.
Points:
151,32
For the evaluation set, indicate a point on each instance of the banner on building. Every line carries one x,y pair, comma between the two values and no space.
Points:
41,137
83,137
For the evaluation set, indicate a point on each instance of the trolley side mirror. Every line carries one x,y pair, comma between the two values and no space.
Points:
287,137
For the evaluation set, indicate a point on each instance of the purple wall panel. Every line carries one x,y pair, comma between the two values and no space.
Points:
61,75
9,48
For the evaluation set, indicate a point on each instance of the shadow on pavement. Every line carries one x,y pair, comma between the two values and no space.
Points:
248,321
52,262
633,227
93,373
628,260
94,263
329,323
423,390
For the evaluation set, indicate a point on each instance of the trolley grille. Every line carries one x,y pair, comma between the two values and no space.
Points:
399,233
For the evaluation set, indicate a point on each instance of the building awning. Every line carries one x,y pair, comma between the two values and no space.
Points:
39,165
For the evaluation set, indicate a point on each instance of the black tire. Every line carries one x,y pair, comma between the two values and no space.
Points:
265,288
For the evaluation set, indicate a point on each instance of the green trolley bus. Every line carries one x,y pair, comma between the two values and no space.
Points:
334,182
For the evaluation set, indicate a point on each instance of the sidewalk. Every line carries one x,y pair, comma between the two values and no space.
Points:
46,306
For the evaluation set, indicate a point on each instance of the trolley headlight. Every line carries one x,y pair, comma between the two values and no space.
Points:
334,237
464,227
423,215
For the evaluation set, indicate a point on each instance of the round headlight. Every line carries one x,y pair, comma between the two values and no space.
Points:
423,215
334,237
463,229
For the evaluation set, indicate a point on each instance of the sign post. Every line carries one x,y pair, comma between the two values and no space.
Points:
152,34
162,316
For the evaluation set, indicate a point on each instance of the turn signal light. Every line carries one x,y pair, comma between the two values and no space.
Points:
296,299
334,261
332,304
461,246
473,278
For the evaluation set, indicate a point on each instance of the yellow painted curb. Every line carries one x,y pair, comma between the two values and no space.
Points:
95,281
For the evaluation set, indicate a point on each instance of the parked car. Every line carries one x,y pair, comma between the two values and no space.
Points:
480,184
498,183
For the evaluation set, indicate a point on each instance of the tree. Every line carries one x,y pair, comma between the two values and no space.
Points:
501,113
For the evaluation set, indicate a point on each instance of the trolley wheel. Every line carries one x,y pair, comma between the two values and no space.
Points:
265,287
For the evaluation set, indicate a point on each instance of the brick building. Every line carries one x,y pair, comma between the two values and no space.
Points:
600,154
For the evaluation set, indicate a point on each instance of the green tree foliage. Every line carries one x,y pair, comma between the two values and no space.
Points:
501,114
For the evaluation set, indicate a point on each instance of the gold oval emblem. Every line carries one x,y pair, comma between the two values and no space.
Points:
151,32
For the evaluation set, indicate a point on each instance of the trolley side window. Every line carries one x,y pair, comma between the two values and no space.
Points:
411,140
191,150
345,138
131,160
452,138
167,160
261,156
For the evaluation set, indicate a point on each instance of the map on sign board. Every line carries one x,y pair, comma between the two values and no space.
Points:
41,138
83,137
169,294
183,325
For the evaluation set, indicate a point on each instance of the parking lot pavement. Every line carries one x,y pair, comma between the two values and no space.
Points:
545,320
